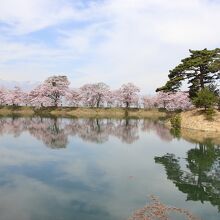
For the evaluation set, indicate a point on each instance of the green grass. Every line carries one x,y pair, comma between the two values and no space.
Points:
81,112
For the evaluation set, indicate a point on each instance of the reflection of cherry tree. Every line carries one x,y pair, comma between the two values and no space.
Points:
50,131
54,132
127,130
92,130
11,126
202,181
98,130
159,211
159,128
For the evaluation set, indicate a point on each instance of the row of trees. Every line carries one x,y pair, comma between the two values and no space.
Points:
56,91
201,70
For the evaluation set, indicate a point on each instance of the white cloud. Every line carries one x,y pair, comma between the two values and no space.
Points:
25,16
114,41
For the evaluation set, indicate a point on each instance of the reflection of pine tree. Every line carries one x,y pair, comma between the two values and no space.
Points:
202,183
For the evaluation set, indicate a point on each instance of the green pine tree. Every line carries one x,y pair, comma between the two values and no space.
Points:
205,99
200,69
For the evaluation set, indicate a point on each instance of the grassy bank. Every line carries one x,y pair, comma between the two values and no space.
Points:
82,112
197,120
16,111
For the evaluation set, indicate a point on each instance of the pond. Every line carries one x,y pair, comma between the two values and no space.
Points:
103,169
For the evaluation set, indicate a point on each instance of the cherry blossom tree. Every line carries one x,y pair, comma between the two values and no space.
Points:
95,95
129,94
101,91
86,92
2,96
8,97
162,99
15,96
26,98
37,97
181,101
112,98
173,101
73,97
148,102
54,88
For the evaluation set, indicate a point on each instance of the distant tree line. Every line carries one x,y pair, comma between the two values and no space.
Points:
56,91
201,71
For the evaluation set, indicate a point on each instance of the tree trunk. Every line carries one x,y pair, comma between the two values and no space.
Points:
127,104
98,103
201,77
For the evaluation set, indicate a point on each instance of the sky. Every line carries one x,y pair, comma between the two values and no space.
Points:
113,41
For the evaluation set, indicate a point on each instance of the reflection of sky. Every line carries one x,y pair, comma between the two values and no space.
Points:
87,180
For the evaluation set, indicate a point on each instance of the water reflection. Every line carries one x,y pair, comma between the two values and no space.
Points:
100,178
200,179
54,132
157,210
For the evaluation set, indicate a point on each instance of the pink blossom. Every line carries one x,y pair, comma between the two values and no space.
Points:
173,101
50,93
73,97
94,95
128,94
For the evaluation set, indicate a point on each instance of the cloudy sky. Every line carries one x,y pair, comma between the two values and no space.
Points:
113,41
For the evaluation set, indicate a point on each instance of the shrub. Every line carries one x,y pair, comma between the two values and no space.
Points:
209,114
176,121
205,99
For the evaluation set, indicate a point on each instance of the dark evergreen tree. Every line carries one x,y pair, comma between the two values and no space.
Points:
200,69
205,99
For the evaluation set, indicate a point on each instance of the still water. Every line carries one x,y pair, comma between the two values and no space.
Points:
82,169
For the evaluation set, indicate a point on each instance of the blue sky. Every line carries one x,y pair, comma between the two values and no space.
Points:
114,41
